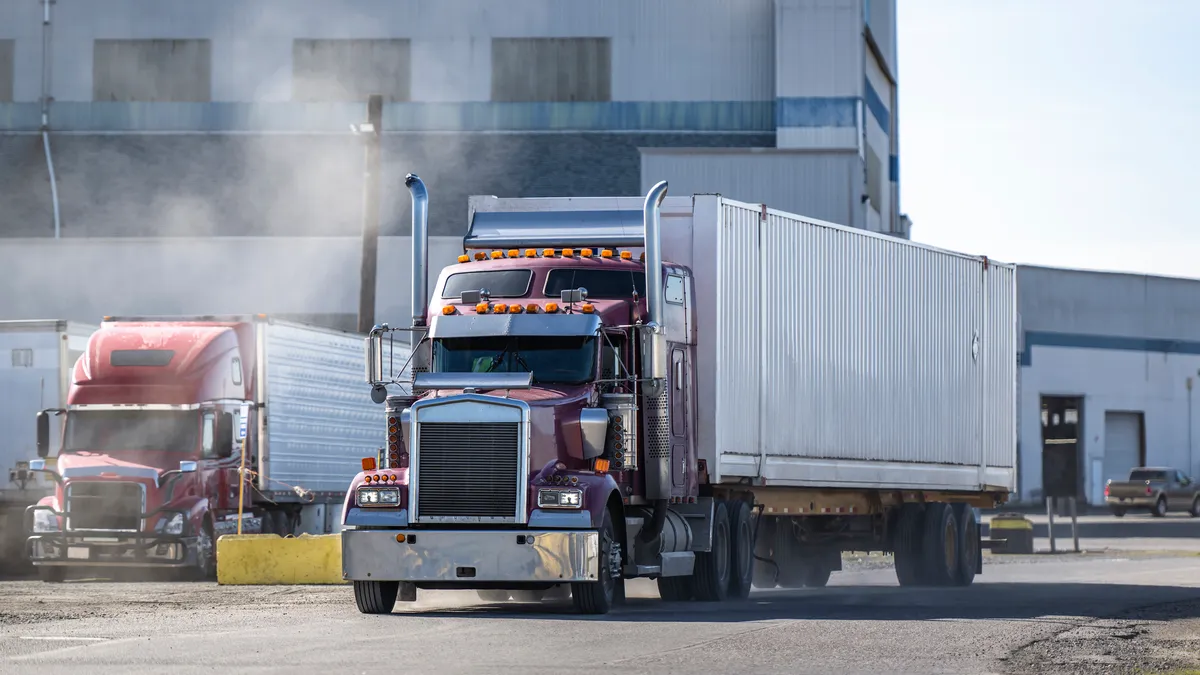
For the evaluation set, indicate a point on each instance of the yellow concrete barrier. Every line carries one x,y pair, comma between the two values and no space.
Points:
268,559
1016,530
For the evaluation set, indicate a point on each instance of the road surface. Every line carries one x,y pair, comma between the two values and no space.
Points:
1037,614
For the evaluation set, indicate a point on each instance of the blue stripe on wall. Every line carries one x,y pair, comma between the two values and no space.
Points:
875,104
814,111
680,116
1086,341
894,168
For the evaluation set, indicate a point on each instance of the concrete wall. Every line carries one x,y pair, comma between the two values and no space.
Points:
1124,343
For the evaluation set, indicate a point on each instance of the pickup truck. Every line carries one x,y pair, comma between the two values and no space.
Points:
1155,488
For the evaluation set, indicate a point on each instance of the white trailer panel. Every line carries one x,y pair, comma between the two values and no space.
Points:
849,359
320,420
36,360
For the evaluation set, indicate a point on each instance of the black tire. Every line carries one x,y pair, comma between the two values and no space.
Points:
764,570
940,547
1195,510
52,574
816,571
968,545
1160,508
598,597
493,595
280,523
1118,512
676,589
376,597
789,559
712,569
906,544
206,553
741,556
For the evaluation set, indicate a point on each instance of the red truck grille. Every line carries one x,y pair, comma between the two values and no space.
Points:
105,505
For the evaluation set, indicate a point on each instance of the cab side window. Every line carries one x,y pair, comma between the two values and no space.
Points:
207,433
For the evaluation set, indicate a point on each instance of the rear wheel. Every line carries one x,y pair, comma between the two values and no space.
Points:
764,564
376,597
940,547
816,571
741,570
712,568
1160,508
675,589
968,545
906,544
598,597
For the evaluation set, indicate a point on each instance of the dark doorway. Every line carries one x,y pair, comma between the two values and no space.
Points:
1062,446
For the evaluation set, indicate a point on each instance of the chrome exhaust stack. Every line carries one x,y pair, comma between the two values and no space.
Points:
654,410
420,249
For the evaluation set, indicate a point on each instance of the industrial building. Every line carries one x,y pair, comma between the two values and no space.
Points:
1123,352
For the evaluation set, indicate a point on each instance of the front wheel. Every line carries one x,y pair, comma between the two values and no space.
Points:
376,597
598,597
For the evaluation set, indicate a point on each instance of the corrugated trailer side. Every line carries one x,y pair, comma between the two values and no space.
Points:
848,359
320,421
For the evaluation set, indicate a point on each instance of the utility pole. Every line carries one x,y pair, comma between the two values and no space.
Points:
371,132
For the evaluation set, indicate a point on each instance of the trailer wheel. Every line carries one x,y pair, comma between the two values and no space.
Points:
906,544
376,597
741,571
816,571
712,568
968,545
598,597
676,589
765,568
941,545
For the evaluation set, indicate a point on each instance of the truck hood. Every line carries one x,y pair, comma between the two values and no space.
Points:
554,416
139,466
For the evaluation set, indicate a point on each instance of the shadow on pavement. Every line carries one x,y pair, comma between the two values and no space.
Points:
1002,601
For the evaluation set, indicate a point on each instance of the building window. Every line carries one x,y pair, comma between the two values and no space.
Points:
152,70
351,70
551,69
7,70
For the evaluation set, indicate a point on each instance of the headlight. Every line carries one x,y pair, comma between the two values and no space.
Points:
173,525
556,498
44,521
388,496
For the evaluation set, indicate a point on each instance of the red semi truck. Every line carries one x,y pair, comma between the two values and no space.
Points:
148,467
695,390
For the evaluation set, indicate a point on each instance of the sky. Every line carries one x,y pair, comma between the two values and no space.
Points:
1053,132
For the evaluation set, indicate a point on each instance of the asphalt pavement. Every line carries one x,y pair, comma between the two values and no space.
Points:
1026,614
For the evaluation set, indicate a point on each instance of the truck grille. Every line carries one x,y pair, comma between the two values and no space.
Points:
467,470
103,505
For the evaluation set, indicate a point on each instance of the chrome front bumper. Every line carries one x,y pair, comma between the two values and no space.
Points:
467,556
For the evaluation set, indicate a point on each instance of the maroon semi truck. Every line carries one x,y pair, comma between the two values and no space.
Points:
157,414
699,391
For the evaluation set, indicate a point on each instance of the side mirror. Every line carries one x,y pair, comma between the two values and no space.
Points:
43,434
37,465
188,466
224,436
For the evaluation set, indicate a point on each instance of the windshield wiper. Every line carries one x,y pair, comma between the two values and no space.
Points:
497,359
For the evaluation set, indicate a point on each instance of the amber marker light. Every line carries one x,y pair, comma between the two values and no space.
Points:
606,253
515,309
368,464
448,310
548,253
601,465
627,255
481,256
481,308
551,307
464,258
586,253
496,255
513,253
568,252
531,253
531,308
588,308
500,308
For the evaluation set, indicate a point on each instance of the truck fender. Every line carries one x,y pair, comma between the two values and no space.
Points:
197,511
601,491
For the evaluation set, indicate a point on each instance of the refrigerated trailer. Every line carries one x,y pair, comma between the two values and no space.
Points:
36,357
693,389
170,423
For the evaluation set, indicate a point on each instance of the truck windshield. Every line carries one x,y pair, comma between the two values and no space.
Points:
552,360
114,430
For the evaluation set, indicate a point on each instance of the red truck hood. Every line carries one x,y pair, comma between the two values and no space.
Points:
141,466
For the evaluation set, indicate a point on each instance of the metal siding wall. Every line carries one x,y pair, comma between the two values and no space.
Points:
881,21
7,69
739,365
152,70
551,69
351,70
26,390
867,343
1000,368
818,72
820,185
